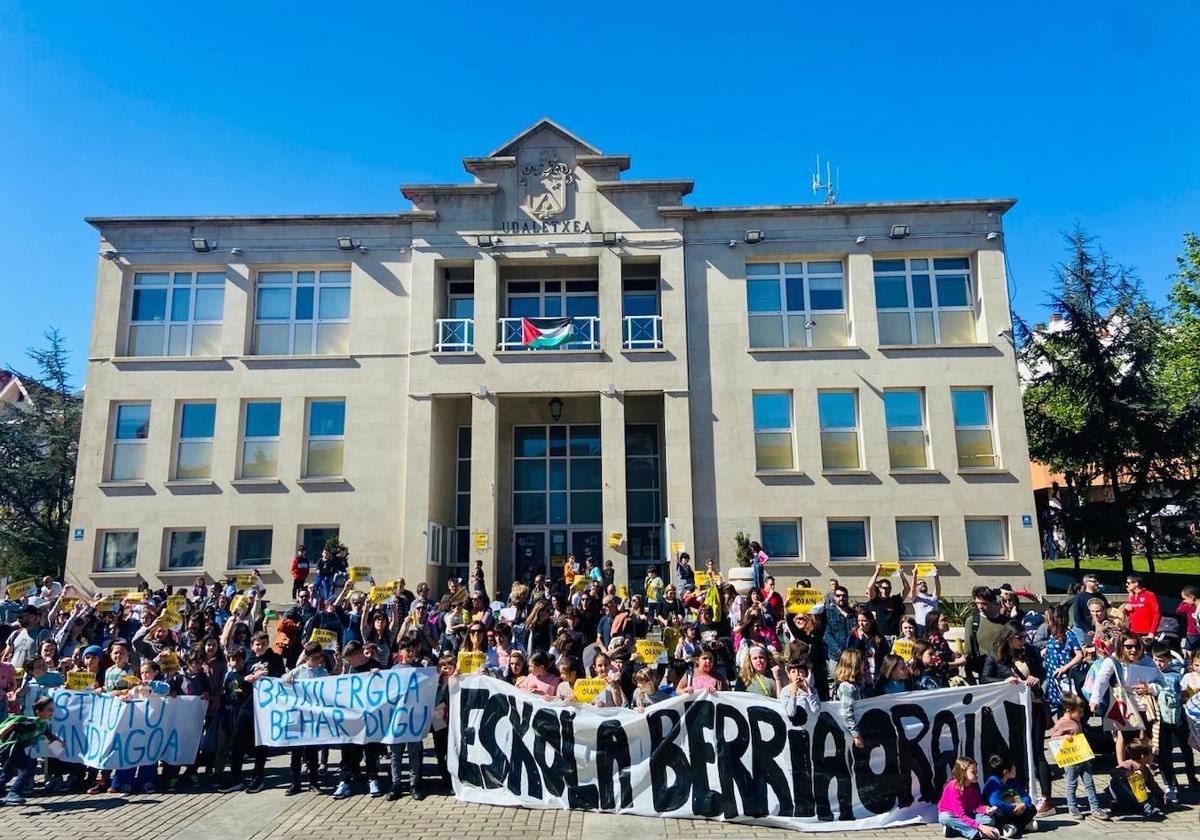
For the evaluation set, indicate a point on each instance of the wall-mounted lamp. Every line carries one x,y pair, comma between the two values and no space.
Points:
109,254
235,252
487,240
860,239
345,243
611,238
201,245
898,232
611,390
556,406
732,243
993,235
482,393
754,236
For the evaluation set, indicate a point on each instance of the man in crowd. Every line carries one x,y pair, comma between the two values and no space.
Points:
1080,616
357,662
985,625
887,608
1141,608
25,644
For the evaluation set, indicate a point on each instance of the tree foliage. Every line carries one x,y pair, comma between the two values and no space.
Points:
38,447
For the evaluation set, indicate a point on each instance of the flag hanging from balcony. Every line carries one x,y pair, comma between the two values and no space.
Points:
546,332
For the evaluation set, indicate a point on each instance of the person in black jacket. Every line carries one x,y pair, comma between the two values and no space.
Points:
263,662
1012,662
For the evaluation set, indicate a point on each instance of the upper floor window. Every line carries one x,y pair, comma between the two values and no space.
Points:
796,304
925,301
456,332
848,540
904,411
838,415
176,314
973,428
780,538
326,438
773,449
260,440
131,432
302,313
641,324
575,299
193,451
118,551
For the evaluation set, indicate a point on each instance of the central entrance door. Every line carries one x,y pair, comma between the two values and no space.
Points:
530,555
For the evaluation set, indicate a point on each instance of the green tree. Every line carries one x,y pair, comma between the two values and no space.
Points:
1093,408
1181,345
39,441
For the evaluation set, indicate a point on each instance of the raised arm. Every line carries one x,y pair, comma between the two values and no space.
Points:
871,583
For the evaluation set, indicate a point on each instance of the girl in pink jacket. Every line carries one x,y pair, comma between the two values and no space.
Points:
961,809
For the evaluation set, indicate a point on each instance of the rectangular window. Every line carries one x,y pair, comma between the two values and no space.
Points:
435,548
987,538
260,440
773,448
848,540
973,428
118,551
904,411
326,438
916,539
185,549
780,538
131,431
925,301
193,448
176,313
251,547
642,321
302,313
838,414
796,304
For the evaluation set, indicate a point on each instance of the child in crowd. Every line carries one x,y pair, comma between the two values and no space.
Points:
1171,724
1012,804
17,734
961,810
925,669
894,676
447,665
849,686
798,692
311,667
1074,712
413,751
1133,789
569,670
645,692
143,777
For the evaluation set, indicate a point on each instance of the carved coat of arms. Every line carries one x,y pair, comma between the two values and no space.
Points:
544,186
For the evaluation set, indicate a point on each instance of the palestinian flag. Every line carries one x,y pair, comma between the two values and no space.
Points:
547,332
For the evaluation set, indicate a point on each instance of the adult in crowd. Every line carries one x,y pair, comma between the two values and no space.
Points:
685,575
300,570
924,602
983,628
1081,616
887,608
1141,609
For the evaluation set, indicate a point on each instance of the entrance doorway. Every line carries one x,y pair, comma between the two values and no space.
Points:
543,552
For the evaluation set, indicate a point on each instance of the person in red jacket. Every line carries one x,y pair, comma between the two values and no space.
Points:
299,570
1141,608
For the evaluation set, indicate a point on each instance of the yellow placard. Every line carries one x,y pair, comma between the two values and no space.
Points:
171,618
20,588
677,548
580,582
81,681
107,604
177,602
169,660
903,648
701,579
888,569
622,592
471,661
377,596
67,604
958,647
1138,786
586,690
670,640
481,540
358,573
801,599
130,680
237,603
1071,750
119,593
391,587
325,638
244,582
649,651
924,569
133,598
614,539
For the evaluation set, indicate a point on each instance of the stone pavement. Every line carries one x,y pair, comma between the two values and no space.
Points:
241,816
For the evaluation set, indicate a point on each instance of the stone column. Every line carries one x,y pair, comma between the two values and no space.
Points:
612,471
485,416
677,471
610,306
487,303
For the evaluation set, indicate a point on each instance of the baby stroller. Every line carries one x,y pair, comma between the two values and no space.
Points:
1170,634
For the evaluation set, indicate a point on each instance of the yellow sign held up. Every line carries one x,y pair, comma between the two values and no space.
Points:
133,598
81,681
801,599
169,660
244,582
377,596
358,573
677,548
622,592
701,579
1072,750
925,569
20,588
171,618
107,604
67,604
238,603
325,638
177,602
649,651
903,648
120,593
471,661
888,569
587,690
580,582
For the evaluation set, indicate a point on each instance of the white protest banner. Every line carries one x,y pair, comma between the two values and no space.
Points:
378,707
109,733
730,755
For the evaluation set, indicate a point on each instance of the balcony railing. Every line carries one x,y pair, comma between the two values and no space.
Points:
642,332
455,335
587,335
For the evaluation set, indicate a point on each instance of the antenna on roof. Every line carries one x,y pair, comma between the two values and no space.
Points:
830,186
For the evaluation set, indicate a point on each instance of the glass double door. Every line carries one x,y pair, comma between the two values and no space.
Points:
543,551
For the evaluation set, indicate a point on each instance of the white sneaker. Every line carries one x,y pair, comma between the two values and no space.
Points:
1033,826
374,788
1008,830
1173,796
341,791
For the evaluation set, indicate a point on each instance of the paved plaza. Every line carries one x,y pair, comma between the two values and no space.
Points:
270,814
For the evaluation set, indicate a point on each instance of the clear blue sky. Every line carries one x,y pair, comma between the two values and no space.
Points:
1083,111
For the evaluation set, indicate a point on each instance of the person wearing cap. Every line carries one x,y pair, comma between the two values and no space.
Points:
26,643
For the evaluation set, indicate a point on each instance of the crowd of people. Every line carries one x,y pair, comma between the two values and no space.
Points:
214,640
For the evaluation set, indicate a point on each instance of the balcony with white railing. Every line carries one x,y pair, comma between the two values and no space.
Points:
587,335
455,335
642,332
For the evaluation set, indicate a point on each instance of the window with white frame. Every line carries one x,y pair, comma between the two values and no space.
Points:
773,449
302,313
435,548
796,304
251,547
973,428
193,448
926,300
176,313
838,415
185,549
987,538
131,433
780,538
118,551
326,446
848,540
260,439
916,540
904,413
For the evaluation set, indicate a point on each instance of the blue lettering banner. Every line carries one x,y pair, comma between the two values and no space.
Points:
377,707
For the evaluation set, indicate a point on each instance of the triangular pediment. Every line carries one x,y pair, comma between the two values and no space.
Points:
545,132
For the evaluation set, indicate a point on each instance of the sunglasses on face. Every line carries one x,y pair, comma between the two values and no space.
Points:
1130,647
